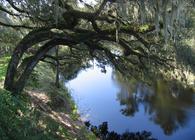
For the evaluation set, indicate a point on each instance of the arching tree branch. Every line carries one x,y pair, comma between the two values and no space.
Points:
16,26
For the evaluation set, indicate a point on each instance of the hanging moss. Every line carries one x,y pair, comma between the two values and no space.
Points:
170,13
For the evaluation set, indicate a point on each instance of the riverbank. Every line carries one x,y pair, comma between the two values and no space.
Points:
41,112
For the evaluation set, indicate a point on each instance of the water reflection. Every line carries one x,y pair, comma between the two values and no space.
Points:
164,108
165,102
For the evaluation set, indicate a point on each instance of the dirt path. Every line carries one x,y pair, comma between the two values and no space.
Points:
40,100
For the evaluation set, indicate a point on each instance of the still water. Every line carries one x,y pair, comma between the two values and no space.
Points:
166,110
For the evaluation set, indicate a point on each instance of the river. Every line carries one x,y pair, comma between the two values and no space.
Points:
168,111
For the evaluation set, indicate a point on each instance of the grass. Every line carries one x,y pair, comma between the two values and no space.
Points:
19,121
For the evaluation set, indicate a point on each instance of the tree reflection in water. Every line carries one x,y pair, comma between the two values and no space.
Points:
165,102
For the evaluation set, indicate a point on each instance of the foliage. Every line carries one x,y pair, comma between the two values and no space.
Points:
41,77
60,98
3,66
8,37
18,121
102,132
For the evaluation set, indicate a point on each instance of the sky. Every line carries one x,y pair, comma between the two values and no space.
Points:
88,2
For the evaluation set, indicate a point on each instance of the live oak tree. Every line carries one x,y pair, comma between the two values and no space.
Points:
130,35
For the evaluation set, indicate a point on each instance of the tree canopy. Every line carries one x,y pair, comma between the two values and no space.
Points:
130,35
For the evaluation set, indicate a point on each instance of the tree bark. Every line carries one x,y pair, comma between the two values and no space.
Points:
28,41
20,83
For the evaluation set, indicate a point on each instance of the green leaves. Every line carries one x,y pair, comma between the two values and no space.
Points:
10,118
3,67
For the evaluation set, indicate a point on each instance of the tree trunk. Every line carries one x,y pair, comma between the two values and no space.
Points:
16,84
28,41
20,83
